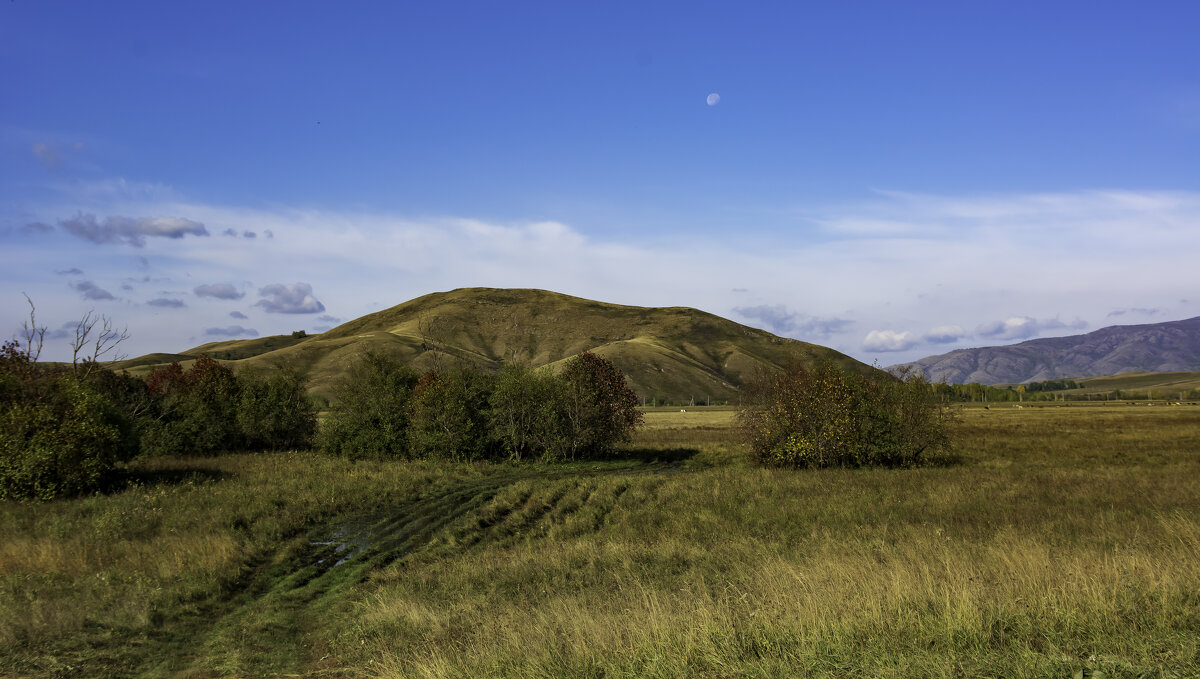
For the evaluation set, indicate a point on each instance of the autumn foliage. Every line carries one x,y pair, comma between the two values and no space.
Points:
826,416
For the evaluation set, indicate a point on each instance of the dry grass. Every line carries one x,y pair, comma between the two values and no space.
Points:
1059,540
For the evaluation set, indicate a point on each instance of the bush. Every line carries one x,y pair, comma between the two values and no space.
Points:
825,416
384,410
525,414
599,409
134,409
448,416
198,410
58,435
275,412
369,415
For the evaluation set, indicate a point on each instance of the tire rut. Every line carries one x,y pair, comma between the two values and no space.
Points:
266,613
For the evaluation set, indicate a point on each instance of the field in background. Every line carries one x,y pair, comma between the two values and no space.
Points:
1056,540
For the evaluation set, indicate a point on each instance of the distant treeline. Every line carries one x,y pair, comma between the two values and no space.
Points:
1049,390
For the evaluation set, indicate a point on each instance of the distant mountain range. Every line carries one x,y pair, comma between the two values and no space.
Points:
672,352
1150,348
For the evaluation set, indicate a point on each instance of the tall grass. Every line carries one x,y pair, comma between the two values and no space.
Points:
1054,541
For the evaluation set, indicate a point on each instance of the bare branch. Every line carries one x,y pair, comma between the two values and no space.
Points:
102,342
82,330
34,336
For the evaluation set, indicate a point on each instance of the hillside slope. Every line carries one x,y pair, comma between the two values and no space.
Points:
1157,347
673,352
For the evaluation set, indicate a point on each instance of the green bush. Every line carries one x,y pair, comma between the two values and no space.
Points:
369,414
525,414
825,416
134,409
275,412
448,416
198,410
58,436
384,410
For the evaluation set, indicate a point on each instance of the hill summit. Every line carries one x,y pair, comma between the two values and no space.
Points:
674,353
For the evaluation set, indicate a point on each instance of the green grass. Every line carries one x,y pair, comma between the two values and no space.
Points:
1054,541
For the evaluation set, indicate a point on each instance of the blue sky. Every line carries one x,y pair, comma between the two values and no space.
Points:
890,179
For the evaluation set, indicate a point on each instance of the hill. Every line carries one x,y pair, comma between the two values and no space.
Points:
675,353
1151,348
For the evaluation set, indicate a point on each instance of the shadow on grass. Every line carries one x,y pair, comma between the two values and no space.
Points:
136,476
660,455
942,460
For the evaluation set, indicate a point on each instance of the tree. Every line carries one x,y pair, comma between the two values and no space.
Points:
369,414
275,412
198,410
599,409
824,415
90,344
448,416
526,414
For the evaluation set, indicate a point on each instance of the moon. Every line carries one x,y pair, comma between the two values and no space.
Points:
713,99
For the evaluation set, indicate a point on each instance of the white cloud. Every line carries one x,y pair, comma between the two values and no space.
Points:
218,291
888,341
91,291
780,320
1024,327
902,260
166,303
296,298
130,230
46,155
944,334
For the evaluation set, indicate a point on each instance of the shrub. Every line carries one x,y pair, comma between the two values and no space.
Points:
369,414
198,410
384,410
448,416
599,409
275,412
58,435
526,415
823,416
134,409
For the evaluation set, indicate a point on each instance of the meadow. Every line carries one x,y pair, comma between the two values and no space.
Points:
1056,541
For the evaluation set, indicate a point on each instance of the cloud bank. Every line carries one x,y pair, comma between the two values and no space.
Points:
218,291
924,274
231,331
130,230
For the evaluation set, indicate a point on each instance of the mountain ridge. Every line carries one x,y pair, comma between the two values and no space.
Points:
1171,346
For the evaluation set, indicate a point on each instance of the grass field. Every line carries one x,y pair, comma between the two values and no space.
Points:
1053,542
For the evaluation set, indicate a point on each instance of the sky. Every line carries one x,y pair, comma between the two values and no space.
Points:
893,180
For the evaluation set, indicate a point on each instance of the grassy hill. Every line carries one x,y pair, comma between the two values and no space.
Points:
1166,385
673,352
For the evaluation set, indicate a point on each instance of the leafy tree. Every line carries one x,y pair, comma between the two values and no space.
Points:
58,435
823,415
135,409
526,414
448,416
275,412
598,408
198,410
369,414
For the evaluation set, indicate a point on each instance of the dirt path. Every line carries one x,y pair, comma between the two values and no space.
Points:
267,626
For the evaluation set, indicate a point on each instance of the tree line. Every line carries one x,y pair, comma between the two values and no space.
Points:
65,429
